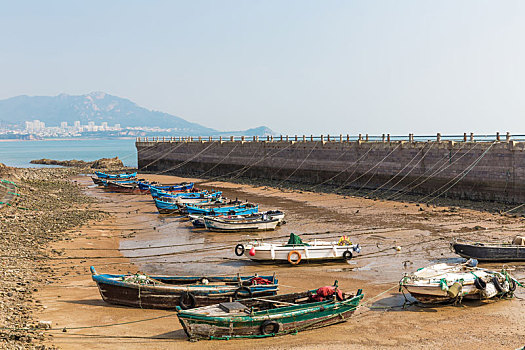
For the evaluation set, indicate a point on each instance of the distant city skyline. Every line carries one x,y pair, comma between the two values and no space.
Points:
297,66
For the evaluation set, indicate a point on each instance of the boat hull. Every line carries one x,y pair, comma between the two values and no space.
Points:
232,226
168,296
291,320
102,175
490,252
279,253
148,297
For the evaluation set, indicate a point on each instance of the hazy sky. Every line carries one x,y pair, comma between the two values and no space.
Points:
295,66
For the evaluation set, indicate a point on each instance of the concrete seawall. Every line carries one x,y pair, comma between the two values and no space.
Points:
491,171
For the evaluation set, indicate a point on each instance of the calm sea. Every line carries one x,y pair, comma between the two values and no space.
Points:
19,153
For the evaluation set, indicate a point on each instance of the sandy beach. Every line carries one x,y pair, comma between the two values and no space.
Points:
80,318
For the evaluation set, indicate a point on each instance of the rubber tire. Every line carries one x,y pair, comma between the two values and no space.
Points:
237,247
347,255
512,285
498,285
187,305
242,289
274,329
290,257
480,284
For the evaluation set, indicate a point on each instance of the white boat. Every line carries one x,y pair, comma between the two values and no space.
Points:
294,251
262,223
198,220
452,282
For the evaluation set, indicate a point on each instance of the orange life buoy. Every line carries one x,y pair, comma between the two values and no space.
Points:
290,257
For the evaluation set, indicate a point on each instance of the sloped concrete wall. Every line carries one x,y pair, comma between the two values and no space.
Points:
469,170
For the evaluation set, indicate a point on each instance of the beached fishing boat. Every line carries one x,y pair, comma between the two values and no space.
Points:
145,186
203,199
492,251
443,282
115,176
271,316
295,250
171,189
169,292
198,220
171,196
98,181
122,186
239,209
167,205
225,224
170,206
104,182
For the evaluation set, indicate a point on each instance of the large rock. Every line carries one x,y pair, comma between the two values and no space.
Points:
73,162
103,163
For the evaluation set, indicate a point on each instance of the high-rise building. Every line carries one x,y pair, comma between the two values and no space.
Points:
104,126
77,124
63,125
38,125
117,126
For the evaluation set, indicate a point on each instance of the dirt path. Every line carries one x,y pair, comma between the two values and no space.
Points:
73,299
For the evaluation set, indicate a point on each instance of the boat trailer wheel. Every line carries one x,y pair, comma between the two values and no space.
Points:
187,301
239,250
270,327
239,293
347,255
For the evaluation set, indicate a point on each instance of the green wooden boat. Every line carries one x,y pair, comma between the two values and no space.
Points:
269,316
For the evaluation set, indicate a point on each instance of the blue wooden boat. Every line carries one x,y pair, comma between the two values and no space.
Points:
171,190
170,292
165,207
172,205
187,195
185,186
104,182
102,175
240,209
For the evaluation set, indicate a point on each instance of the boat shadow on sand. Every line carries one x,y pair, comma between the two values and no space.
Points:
396,303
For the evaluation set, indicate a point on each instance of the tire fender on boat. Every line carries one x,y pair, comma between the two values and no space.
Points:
240,291
270,327
512,285
187,301
347,255
294,262
497,284
480,284
239,250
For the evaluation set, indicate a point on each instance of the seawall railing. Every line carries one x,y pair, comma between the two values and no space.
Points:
470,137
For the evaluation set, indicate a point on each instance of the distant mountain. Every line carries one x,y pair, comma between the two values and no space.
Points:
98,107
260,131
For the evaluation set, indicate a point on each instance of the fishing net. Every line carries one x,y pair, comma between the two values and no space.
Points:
295,240
139,279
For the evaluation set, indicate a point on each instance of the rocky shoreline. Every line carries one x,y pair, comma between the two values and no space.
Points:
48,204
103,163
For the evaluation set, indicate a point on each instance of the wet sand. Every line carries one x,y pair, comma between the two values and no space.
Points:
423,233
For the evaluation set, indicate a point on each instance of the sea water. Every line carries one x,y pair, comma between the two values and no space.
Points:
20,153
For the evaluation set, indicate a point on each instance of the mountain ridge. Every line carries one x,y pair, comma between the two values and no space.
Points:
98,107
